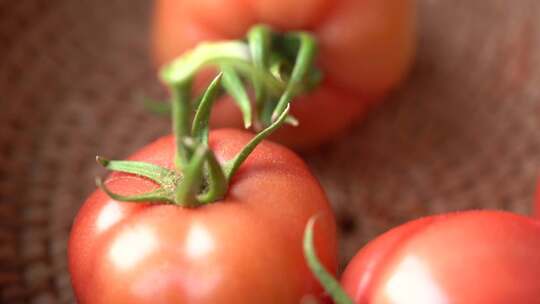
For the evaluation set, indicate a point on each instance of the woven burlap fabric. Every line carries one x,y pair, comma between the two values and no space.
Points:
463,132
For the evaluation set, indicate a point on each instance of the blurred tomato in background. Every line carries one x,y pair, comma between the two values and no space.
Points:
366,48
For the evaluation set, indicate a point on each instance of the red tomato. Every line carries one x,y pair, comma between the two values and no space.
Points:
469,257
246,248
366,47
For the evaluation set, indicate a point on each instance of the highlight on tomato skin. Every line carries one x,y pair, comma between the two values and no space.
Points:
465,257
245,248
366,49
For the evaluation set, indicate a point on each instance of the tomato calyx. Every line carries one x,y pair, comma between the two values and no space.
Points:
165,178
277,66
198,178
329,283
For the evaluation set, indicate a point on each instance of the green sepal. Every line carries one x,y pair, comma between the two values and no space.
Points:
162,176
232,166
183,68
246,69
267,108
304,60
232,53
259,39
201,121
159,195
235,87
329,283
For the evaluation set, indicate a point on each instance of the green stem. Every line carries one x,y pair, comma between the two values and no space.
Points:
181,112
328,282
187,191
233,53
259,39
217,182
183,68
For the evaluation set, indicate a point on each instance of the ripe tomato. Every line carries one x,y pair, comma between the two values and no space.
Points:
366,47
468,257
246,248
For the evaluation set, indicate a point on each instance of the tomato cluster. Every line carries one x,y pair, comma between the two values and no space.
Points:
226,216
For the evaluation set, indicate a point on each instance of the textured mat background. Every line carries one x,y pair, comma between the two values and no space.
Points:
461,133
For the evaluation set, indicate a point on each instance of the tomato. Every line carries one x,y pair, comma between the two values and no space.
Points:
366,48
468,257
246,248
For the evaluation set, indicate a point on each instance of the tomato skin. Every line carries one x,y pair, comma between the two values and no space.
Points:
243,249
361,64
467,257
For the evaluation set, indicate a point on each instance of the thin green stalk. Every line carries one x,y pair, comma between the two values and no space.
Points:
260,43
201,121
187,191
234,86
181,112
217,182
232,166
329,283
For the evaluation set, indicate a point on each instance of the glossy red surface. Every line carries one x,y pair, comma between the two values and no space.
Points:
483,257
